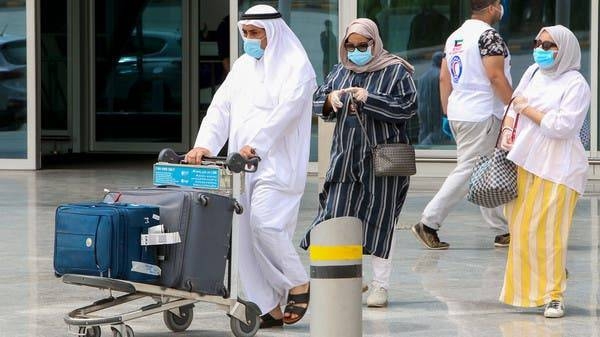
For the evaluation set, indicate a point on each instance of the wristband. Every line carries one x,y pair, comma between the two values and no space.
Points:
507,128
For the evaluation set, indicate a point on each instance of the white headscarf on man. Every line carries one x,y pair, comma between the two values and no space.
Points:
569,52
283,49
381,57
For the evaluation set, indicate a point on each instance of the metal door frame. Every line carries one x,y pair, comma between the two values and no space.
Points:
33,159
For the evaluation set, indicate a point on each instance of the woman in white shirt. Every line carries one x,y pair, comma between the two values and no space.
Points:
551,103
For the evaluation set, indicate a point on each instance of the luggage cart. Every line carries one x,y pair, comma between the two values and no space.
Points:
176,305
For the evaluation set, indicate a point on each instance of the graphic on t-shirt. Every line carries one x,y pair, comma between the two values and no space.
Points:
456,68
457,45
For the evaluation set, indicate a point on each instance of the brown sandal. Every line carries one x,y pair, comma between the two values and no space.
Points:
293,308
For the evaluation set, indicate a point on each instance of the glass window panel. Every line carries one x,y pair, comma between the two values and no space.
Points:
416,29
213,63
315,23
138,71
148,45
54,61
15,53
13,80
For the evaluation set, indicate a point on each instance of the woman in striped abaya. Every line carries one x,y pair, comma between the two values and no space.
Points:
552,171
384,98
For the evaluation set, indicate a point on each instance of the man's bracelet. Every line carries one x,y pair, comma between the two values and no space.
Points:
507,128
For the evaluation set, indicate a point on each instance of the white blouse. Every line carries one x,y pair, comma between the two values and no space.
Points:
553,150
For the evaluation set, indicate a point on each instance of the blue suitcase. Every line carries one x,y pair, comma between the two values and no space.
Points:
104,240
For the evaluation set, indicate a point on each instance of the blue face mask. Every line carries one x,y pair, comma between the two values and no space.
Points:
252,48
360,58
544,58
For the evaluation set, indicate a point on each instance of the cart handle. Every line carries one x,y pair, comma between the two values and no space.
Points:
234,162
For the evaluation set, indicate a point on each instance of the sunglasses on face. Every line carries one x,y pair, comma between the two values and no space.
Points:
546,45
363,46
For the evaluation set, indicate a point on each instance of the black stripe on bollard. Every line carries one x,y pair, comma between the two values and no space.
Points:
333,272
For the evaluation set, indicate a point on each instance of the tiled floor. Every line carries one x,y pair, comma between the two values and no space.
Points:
446,293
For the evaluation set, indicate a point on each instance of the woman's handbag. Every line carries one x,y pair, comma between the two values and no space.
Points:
396,159
494,179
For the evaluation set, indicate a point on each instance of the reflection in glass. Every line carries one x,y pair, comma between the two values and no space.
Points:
54,65
213,63
433,125
416,29
329,46
315,23
13,83
138,71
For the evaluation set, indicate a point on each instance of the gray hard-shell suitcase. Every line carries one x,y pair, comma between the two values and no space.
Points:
203,221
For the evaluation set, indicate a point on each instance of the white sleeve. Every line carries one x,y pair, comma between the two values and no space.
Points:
214,130
287,113
566,120
525,79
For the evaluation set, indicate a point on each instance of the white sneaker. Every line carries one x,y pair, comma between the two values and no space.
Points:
554,309
378,297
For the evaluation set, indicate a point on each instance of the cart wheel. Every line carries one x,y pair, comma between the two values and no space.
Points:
93,331
241,329
179,323
117,333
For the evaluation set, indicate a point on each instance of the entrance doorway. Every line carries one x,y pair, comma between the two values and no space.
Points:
129,76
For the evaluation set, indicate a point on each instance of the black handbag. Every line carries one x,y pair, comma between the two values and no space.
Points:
395,159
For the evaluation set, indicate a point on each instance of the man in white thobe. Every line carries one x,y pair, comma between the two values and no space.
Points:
264,108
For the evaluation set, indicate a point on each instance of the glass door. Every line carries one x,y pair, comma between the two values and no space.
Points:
18,131
137,66
210,26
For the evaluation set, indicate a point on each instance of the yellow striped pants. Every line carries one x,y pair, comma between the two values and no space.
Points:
539,221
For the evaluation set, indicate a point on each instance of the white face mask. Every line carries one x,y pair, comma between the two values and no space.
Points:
501,12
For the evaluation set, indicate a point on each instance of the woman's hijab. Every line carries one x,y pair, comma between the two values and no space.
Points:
569,52
381,57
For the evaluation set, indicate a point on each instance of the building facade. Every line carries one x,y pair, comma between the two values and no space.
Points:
137,76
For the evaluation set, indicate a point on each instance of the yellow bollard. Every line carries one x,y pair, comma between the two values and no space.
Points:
336,278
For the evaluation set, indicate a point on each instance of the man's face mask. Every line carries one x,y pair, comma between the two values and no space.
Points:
252,48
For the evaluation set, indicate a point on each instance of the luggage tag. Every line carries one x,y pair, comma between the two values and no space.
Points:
145,268
157,236
160,239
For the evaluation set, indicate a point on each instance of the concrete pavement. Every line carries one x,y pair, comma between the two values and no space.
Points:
433,293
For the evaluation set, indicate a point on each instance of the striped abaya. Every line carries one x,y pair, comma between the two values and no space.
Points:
351,188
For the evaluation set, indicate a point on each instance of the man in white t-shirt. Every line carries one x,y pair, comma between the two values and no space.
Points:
475,85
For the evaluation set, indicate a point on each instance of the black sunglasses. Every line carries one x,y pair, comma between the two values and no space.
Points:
363,46
546,45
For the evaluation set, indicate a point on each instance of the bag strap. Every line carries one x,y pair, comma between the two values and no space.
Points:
517,117
502,122
362,127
